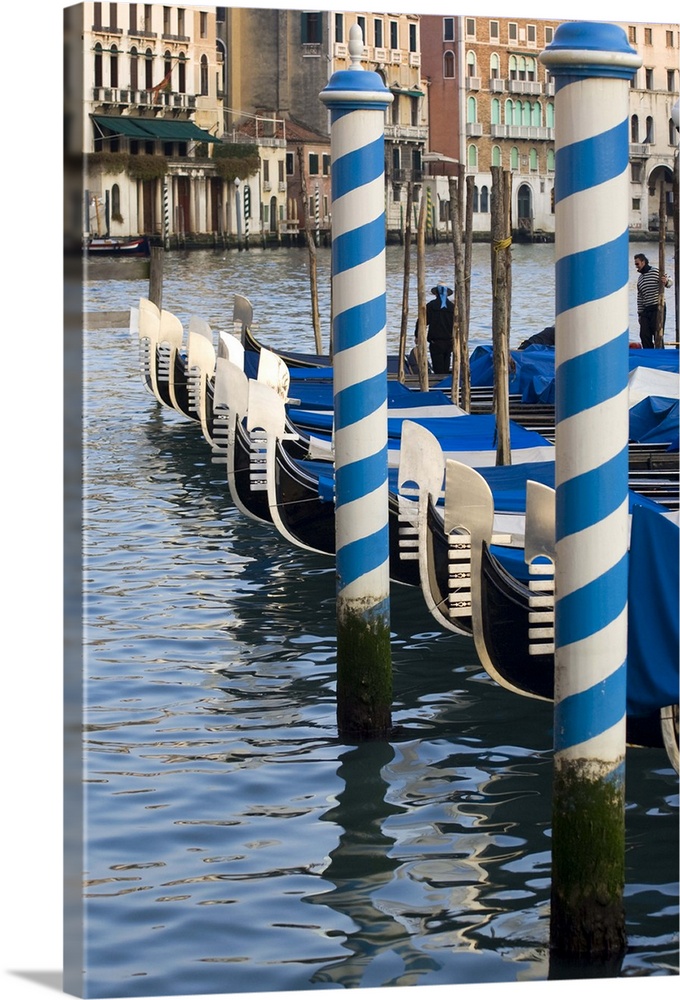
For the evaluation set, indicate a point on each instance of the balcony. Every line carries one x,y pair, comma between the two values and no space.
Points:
395,56
473,83
499,131
474,129
414,59
549,88
524,87
496,86
640,150
406,133
124,97
529,132
340,50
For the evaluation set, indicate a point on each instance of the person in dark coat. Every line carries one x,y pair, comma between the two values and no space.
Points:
439,320
545,338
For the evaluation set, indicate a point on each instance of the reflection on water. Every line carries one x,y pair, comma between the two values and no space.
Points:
233,842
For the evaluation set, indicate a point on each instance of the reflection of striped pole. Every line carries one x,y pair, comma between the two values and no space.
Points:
316,213
357,100
593,64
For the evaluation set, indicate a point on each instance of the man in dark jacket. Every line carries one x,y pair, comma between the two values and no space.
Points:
439,320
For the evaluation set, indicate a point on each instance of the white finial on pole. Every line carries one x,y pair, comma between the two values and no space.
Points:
356,46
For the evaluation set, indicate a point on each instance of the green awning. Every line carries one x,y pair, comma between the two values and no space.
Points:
407,93
165,129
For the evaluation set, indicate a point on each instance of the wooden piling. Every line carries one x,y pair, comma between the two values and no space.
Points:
501,241
403,334
421,346
311,247
658,333
156,276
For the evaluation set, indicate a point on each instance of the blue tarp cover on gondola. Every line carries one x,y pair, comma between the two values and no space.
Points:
533,377
654,599
470,432
654,420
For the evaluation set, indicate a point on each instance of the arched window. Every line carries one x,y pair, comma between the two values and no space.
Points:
472,109
551,160
134,69
98,72
495,111
526,113
167,68
550,115
514,158
533,160
536,114
148,69
531,68
634,129
512,67
475,199
517,113
484,199
115,202
649,129
672,133
496,156
204,76
471,64
509,108
449,65
472,157
113,66
495,66
522,68
182,73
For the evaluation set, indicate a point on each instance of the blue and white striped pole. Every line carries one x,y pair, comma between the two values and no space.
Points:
357,100
592,64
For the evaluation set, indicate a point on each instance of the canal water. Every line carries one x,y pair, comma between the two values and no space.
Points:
233,843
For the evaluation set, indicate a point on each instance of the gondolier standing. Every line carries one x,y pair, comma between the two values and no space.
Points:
648,299
439,321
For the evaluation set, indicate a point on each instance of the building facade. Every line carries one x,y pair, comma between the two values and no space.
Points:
202,122
653,134
152,118
491,103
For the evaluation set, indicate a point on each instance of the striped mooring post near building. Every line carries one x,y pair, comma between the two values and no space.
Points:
357,100
166,214
592,64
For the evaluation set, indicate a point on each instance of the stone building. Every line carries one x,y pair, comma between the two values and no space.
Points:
279,61
492,104
653,134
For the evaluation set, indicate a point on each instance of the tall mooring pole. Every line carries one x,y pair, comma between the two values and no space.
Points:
357,100
592,64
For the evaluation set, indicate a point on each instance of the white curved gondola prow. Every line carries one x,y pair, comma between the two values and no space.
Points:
229,347
421,469
149,321
243,315
201,360
273,371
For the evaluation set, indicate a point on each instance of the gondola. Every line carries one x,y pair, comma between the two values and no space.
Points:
111,246
512,620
